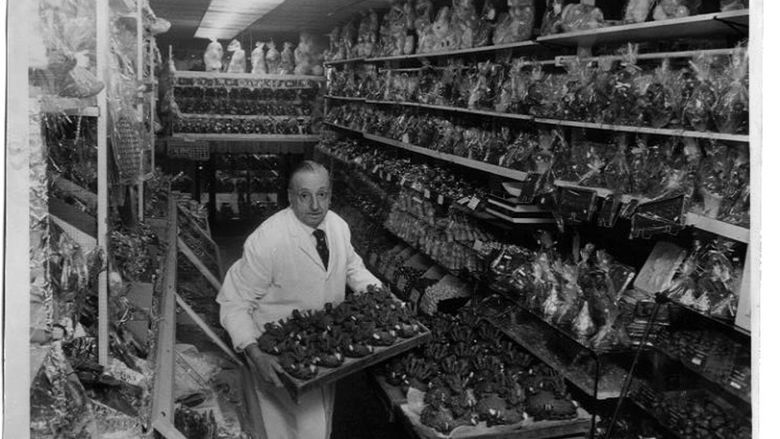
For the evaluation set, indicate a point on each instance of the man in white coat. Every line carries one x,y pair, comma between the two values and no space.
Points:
299,258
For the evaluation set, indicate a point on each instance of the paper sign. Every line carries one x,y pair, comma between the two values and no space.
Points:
427,194
473,203
463,200
440,199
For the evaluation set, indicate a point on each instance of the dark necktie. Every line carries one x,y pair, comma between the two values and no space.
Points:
322,247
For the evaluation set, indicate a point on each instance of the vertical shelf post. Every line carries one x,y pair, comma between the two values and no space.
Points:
102,18
139,74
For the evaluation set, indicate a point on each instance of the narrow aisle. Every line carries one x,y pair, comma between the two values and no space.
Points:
359,413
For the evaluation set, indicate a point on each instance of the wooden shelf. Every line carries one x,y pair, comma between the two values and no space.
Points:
221,75
576,124
646,130
718,227
469,163
247,137
529,46
697,26
342,127
238,116
163,391
343,61
345,98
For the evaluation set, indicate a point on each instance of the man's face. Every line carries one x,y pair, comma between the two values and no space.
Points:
310,197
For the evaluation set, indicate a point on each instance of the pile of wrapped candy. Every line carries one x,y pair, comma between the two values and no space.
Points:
582,296
245,125
714,174
415,26
708,279
708,94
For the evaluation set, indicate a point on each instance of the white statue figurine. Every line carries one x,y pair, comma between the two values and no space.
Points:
238,60
272,58
212,58
288,59
258,59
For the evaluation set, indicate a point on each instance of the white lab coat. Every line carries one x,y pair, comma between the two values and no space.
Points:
280,271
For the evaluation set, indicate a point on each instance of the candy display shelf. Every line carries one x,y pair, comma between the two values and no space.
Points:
473,164
522,46
342,127
646,130
248,137
672,132
696,26
345,98
344,61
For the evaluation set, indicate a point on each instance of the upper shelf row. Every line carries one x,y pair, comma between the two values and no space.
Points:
705,25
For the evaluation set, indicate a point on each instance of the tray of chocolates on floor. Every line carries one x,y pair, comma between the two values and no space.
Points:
320,347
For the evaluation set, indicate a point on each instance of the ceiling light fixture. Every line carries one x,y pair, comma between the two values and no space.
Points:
224,19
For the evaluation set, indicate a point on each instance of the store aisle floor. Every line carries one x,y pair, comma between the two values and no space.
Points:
359,412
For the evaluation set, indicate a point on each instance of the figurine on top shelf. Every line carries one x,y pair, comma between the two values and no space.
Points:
348,40
553,18
423,11
394,26
367,34
238,59
637,11
445,37
517,24
287,65
666,9
212,58
579,16
258,59
467,24
307,60
273,58
334,48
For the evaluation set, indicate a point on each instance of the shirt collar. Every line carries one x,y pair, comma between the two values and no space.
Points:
305,229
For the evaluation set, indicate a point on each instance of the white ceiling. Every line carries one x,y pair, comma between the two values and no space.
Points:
291,17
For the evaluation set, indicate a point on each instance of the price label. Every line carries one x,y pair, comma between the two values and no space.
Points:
463,200
473,203
440,199
388,177
697,361
427,194
376,168
735,385
405,138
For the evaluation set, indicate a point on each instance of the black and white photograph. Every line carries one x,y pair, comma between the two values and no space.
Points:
388,219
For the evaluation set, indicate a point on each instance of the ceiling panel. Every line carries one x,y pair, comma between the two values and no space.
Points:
292,16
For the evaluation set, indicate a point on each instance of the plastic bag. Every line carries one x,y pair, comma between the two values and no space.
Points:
735,207
731,113
552,20
577,16
703,95
660,96
517,24
622,96
617,173
732,5
666,9
712,176
637,11
579,95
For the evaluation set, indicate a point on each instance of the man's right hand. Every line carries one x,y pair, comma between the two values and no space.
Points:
264,364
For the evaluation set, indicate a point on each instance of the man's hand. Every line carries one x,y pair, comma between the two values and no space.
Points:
264,364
